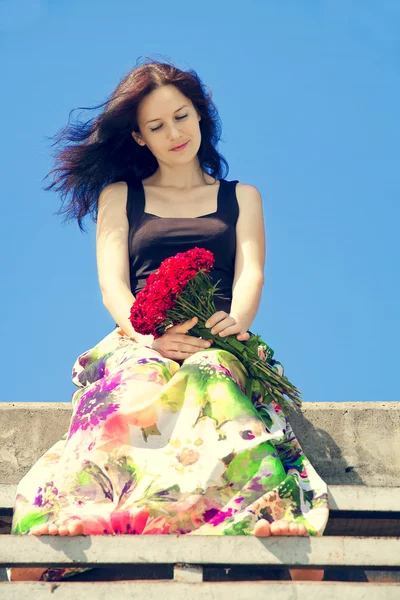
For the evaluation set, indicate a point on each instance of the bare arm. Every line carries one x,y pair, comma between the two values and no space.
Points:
113,258
250,256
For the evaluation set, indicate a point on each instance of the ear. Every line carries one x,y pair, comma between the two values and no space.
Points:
138,138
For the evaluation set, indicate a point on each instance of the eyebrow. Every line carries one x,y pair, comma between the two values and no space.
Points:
183,106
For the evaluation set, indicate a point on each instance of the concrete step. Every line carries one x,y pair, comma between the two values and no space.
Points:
107,550
172,590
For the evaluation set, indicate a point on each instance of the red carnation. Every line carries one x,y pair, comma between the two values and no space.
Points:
164,286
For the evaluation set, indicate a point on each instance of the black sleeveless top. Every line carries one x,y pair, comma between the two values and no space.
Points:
151,239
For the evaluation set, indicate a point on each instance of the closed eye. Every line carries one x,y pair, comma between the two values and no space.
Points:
159,127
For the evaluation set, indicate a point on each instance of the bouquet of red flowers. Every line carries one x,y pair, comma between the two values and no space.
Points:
181,289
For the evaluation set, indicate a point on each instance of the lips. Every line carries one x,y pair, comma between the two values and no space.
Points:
181,146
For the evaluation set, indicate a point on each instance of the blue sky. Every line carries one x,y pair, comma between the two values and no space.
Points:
308,94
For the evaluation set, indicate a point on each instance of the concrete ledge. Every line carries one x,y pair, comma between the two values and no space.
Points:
169,590
348,443
103,550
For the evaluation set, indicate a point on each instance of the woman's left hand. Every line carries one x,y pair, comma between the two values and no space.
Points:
223,324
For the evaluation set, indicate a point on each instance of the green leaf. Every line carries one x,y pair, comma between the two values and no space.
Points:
83,477
29,521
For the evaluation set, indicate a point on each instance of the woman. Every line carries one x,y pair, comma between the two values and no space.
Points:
162,437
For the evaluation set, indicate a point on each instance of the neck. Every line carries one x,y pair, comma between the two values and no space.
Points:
184,177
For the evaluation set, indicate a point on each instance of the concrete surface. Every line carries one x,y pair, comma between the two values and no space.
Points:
108,550
348,443
170,590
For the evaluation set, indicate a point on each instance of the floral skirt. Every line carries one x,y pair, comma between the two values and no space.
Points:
159,447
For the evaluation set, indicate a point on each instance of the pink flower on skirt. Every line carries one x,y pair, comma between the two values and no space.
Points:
115,433
118,522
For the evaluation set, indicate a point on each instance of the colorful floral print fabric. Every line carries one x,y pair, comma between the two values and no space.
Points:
159,447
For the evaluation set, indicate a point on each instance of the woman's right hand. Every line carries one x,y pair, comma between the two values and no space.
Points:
177,345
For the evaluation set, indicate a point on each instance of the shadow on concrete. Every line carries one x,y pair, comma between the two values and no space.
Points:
323,452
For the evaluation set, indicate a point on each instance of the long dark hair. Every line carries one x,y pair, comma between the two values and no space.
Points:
101,150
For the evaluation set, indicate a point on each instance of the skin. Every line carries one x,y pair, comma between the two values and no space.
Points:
181,173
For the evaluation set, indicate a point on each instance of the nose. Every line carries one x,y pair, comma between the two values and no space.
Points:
174,131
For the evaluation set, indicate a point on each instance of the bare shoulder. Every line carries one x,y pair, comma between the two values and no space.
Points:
113,194
247,193
249,198
111,213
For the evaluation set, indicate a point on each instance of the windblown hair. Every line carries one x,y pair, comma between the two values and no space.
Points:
102,150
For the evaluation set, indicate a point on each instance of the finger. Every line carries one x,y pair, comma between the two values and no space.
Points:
200,343
190,321
195,341
183,327
215,318
231,330
227,323
243,337
188,342
189,324
177,355
192,346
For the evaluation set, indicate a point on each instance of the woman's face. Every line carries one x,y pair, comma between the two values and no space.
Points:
168,119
